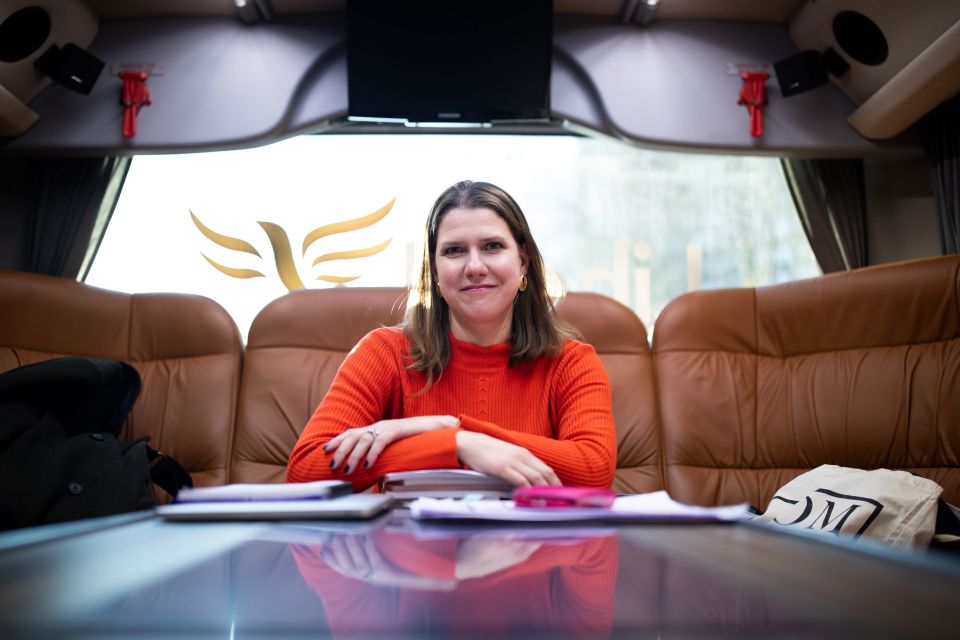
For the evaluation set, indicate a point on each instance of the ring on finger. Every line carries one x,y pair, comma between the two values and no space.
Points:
373,432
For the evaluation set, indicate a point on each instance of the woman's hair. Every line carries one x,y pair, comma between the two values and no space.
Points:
535,328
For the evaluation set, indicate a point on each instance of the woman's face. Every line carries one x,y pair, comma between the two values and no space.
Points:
478,267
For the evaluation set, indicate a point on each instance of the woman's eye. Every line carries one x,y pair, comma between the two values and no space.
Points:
493,246
452,251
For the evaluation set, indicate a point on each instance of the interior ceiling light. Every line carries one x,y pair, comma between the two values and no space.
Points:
639,12
251,11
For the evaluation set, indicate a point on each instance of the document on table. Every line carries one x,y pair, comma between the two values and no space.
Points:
652,507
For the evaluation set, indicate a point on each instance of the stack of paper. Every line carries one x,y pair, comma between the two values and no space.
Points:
655,507
445,483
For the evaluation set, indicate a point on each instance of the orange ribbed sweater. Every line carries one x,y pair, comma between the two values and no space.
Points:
559,408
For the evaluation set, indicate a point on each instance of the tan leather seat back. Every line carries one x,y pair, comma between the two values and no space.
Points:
297,343
186,348
294,348
860,369
620,340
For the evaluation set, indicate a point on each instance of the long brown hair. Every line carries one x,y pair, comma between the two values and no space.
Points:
535,328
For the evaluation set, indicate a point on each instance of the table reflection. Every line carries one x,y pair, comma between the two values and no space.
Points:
487,583
400,578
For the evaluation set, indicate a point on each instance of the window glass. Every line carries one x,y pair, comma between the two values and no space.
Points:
244,227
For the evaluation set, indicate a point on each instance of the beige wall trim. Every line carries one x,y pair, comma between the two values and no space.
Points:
928,80
15,117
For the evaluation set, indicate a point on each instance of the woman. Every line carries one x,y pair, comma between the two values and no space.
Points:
482,374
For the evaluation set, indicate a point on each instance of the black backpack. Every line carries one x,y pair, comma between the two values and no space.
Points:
59,455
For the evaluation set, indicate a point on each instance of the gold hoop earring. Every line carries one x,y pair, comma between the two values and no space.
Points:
523,282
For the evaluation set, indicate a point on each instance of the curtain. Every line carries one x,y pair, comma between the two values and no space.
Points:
67,199
940,130
831,201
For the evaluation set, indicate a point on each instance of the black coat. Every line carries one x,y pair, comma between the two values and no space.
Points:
59,455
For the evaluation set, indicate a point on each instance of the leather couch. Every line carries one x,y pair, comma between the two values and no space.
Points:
297,342
227,427
743,390
186,348
859,369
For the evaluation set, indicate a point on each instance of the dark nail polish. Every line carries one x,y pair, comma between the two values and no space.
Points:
366,464
346,469
333,463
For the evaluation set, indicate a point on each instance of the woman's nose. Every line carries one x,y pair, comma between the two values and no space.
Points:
475,264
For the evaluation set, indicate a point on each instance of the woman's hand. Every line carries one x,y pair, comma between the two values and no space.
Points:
479,556
356,556
353,445
514,464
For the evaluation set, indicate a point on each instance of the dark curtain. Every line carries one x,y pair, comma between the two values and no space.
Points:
940,130
831,201
52,205
67,199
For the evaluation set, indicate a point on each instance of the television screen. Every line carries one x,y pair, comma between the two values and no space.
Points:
450,60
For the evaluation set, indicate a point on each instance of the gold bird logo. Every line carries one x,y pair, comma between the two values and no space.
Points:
283,252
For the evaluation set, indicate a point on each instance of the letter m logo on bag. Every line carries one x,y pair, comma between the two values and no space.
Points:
830,512
887,505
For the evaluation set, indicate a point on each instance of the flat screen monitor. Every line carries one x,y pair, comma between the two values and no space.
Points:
458,61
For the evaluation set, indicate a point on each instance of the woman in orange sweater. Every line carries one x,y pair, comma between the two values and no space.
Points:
482,374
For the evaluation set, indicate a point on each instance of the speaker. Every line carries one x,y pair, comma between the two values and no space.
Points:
800,72
22,33
860,38
72,67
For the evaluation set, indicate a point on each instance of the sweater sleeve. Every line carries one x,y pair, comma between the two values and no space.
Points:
584,449
366,389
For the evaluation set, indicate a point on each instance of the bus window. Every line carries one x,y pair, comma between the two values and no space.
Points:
244,227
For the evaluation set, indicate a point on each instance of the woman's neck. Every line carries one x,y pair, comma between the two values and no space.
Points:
481,335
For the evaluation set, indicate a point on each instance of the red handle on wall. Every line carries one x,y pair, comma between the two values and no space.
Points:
753,94
135,96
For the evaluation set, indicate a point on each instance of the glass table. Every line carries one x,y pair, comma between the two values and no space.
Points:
139,576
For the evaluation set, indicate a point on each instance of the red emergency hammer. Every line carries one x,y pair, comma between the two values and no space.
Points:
135,96
753,94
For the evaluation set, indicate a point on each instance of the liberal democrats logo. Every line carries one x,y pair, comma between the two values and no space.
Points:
285,259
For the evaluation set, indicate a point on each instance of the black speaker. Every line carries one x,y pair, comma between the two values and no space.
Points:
800,72
860,38
71,67
22,33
